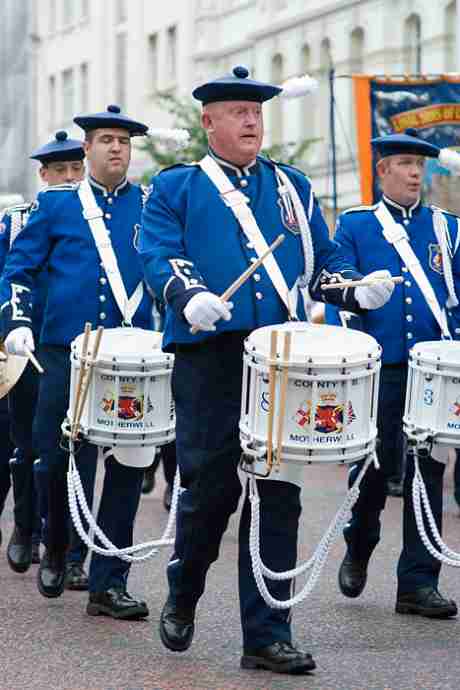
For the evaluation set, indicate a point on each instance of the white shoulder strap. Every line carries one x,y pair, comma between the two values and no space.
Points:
396,235
239,204
18,220
93,214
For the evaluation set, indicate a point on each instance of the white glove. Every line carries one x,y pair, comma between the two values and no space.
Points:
18,339
375,296
204,309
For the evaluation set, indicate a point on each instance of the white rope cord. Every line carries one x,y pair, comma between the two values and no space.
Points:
421,501
315,563
77,498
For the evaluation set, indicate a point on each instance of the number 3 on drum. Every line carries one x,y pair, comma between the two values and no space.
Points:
428,396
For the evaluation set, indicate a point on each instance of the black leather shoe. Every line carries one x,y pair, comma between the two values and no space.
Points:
279,657
75,577
177,625
352,576
167,497
51,576
148,482
116,603
19,551
428,602
394,488
35,552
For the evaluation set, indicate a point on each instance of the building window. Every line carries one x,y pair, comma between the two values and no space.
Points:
67,13
276,128
153,61
52,102
451,37
172,54
323,110
413,44
84,87
67,95
120,67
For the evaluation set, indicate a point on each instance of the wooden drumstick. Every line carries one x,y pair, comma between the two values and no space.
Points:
271,397
361,283
284,384
81,374
87,380
33,360
245,275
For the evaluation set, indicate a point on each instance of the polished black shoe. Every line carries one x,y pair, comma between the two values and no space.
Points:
428,602
148,482
167,497
35,552
279,657
177,625
75,577
116,603
19,551
394,488
352,576
51,576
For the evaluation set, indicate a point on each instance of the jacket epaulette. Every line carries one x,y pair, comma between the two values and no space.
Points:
271,162
17,208
360,208
178,165
433,207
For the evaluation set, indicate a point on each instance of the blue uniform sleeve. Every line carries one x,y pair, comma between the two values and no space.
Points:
168,270
24,261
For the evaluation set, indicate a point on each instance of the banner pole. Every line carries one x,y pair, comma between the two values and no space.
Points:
333,141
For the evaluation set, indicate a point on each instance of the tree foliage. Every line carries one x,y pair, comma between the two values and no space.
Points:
187,116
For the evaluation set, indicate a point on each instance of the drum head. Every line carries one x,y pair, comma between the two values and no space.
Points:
121,344
134,456
10,372
320,343
434,351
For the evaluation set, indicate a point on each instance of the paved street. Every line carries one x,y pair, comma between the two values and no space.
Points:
358,644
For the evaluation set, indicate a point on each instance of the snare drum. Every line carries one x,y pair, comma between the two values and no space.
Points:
129,403
331,398
432,409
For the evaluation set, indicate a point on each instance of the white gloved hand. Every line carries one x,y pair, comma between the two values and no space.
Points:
375,296
19,339
204,309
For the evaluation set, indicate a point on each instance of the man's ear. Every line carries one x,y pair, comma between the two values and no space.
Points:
43,172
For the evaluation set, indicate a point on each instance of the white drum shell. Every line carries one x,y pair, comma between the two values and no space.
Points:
333,372
432,408
133,376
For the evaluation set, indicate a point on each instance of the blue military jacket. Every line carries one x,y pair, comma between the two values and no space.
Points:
190,241
57,235
406,319
12,222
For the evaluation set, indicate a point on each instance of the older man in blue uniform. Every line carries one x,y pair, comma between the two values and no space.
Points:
61,162
79,290
192,248
401,323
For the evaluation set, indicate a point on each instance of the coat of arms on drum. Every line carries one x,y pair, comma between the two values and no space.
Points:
329,414
130,406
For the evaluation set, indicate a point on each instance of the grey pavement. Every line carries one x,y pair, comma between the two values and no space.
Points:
358,644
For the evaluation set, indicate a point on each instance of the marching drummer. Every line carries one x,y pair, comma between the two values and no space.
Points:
399,232
81,290
61,162
203,225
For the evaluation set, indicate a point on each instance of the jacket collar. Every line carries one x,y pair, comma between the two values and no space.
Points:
406,212
232,169
98,188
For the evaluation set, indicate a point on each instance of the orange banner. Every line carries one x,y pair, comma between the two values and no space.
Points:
361,87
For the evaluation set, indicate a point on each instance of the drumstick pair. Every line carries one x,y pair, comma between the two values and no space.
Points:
273,364
84,378
342,285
